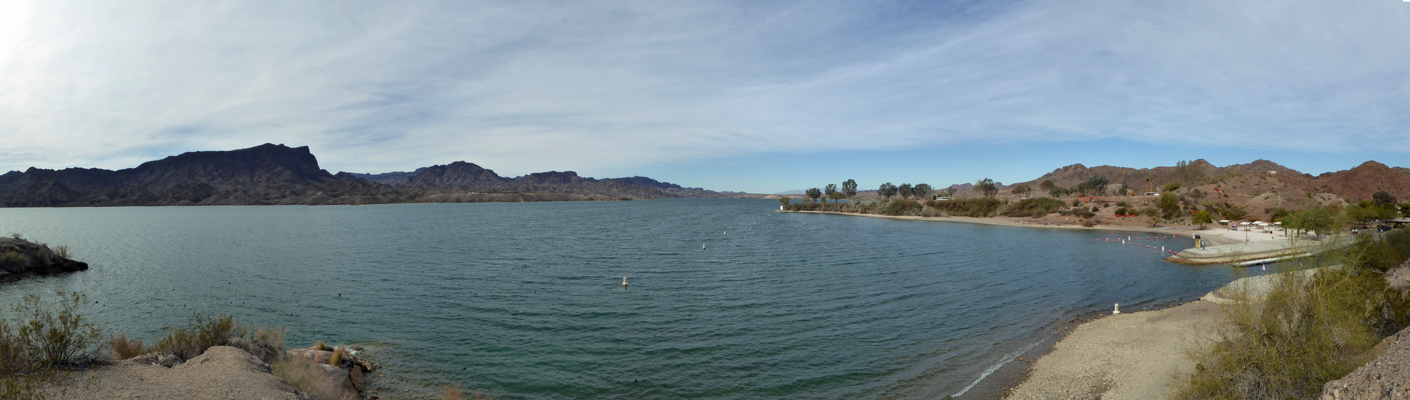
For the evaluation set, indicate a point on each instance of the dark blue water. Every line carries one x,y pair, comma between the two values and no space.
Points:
526,301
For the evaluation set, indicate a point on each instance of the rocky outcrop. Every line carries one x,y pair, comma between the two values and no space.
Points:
20,258
1385,377
349,373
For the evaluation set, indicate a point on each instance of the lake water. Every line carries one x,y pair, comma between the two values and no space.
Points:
524,300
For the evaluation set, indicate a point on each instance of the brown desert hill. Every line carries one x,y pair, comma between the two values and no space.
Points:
1260,187
1357,184
1149,179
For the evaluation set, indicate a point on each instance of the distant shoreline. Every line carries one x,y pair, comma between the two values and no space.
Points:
1019,222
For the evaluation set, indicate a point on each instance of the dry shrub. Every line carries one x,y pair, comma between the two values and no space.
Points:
123,348
454,393
203,333
272,336
62,251
56,337
13,258
44,336
308,378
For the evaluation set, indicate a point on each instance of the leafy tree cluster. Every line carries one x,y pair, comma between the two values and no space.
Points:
986,186
906,191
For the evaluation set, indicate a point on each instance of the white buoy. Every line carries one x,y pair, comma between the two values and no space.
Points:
702,246
1116,309
726,233
624,281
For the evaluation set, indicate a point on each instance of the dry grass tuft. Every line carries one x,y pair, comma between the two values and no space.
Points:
123,349
308,378
203,333
321,346
272,336
337,358
452,393
62,251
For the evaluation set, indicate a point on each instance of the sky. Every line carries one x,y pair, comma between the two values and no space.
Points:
755,96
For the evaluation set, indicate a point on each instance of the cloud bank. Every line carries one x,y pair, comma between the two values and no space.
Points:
619,87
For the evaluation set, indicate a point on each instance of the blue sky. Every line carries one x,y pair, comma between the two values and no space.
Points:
743,96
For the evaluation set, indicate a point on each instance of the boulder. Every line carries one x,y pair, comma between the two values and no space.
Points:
265,353
350,374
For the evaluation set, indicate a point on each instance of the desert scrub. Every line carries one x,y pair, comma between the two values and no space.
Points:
13,258
202,333
1032,207
123,348
42,339
1305,332
307,378
272,336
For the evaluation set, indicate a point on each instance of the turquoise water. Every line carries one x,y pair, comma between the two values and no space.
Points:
524,300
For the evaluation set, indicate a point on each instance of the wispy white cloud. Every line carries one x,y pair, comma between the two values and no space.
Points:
617,86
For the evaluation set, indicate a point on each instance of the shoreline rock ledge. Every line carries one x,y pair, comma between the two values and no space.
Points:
20,258
349,374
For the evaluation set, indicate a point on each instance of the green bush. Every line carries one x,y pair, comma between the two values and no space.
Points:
1033,207
1305,332
967,207
902,207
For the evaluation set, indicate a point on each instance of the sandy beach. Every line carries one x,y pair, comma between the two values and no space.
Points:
1125,356
1214,234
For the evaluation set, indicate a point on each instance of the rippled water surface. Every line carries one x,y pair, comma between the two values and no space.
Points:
526,301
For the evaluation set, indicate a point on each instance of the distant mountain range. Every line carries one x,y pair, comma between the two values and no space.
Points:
277,174
1356,184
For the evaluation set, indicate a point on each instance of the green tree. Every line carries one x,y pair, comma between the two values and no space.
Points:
1172,186
1316,220
1098,183
921,190
1084,188
831,190
986,186
904,190
1202,218
1055,192
784,200
814,194
886,190
948,192
1047,185
1189,173
1169,205
1021,190
850,188
1383,199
